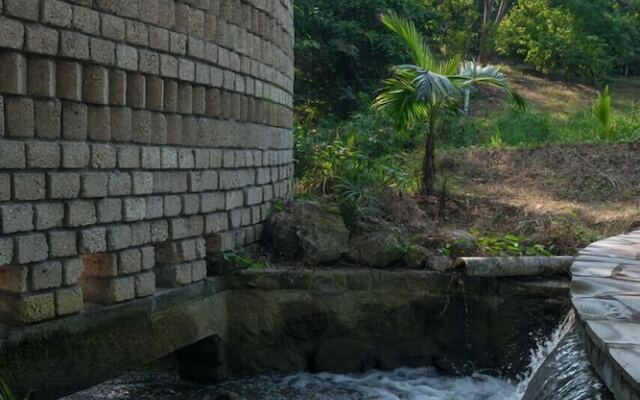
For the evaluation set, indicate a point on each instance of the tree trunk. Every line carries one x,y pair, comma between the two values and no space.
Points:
428,166
489,26
467,96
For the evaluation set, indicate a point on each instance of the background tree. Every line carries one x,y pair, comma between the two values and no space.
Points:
421,92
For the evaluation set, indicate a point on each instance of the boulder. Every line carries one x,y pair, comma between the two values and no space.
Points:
440,263
462,243
375,249
311,230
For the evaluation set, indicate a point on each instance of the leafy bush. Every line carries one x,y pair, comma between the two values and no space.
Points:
603,112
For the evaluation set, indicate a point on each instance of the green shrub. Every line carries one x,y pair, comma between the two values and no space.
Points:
518,128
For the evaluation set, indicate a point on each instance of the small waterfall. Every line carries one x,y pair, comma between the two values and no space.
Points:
560,369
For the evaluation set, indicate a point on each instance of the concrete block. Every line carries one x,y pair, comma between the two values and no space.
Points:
75,155
14,278
95,185
62,244
40,39
69,80
99,123
136,90
20,117
24,9
103,156
118,237
11,33
69,301
96,84
16,218
117,87
74,121
43,155
119,184
86,20
74,45
57,13
109,210
145,284
48,118
121,124
31,248
48,215
80,213
113,27
29,186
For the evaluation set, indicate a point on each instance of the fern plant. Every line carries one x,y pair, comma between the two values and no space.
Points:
5,392
603,112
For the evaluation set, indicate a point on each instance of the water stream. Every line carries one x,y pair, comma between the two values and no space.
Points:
559,370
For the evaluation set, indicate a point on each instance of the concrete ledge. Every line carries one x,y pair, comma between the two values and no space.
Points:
605,292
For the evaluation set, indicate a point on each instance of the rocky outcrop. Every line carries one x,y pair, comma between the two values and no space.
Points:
311,230
375,249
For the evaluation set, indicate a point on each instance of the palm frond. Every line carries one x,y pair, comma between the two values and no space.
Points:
434,88
472,74
407,31
398,99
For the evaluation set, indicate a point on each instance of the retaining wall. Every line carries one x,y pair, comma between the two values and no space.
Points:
136,136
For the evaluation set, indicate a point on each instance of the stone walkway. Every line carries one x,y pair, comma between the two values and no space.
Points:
606,295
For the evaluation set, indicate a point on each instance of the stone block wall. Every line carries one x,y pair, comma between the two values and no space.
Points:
136,136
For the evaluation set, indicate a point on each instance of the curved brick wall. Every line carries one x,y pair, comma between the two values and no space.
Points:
135,137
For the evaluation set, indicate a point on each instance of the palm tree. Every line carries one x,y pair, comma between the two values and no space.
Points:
422,91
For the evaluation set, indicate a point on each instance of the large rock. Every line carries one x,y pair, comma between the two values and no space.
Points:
375,249
309,229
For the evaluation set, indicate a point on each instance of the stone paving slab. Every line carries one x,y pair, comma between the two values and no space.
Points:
605,291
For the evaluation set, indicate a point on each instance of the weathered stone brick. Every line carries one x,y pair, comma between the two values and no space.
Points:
155,93
216,223
186,159
86,20
31,308
56,13
96,84
71,270
145,284
74,120
103,156
199,270
29,186
134,209
48,119
127,57
121,124
174,275
99,123
118,237
186,70
93,240
100,265
149,62
80,213
141,125
117,87
42,77
74,45
5,187
46,275
62,244
129,262
172,206
6,253
110,290
48,215
185,98
158,128
142,182
113,27
109,210
63,185
198,103
95,185
140,233
159,231
137,32
40,39
169,158
128,157
25,9
69,80
11,33
75,155
20,117
150,157
14,278
31,248
119,184
155,207
16,217
159,38
136,90
174,129
69,301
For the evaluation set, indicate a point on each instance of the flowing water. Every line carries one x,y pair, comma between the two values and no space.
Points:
559,370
